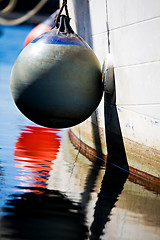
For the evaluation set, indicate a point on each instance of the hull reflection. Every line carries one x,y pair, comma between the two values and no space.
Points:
78,200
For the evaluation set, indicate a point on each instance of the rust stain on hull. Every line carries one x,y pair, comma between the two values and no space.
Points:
144,179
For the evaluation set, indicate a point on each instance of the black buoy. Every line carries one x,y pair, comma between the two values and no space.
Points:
56,80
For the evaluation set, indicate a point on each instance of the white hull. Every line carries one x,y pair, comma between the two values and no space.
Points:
129,32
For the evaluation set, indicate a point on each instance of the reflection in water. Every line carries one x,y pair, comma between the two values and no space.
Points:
49,215
1,178
108,196
35,150
1,171
73,199
40,213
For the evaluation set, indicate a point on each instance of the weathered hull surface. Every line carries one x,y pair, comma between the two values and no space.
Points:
128,120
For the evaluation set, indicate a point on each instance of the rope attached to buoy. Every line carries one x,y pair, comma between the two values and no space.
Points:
64,6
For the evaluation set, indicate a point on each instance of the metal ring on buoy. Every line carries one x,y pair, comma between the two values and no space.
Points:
108,75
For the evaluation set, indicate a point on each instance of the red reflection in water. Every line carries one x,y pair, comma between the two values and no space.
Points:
35,150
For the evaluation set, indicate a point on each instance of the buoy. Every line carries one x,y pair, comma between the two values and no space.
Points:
56,80
45,26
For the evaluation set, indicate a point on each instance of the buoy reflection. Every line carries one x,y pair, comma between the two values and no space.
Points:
35,150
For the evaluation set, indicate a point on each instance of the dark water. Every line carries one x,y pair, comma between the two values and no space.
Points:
48,190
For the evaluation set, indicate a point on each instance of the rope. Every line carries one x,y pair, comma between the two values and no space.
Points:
64,5
11,5
25,17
